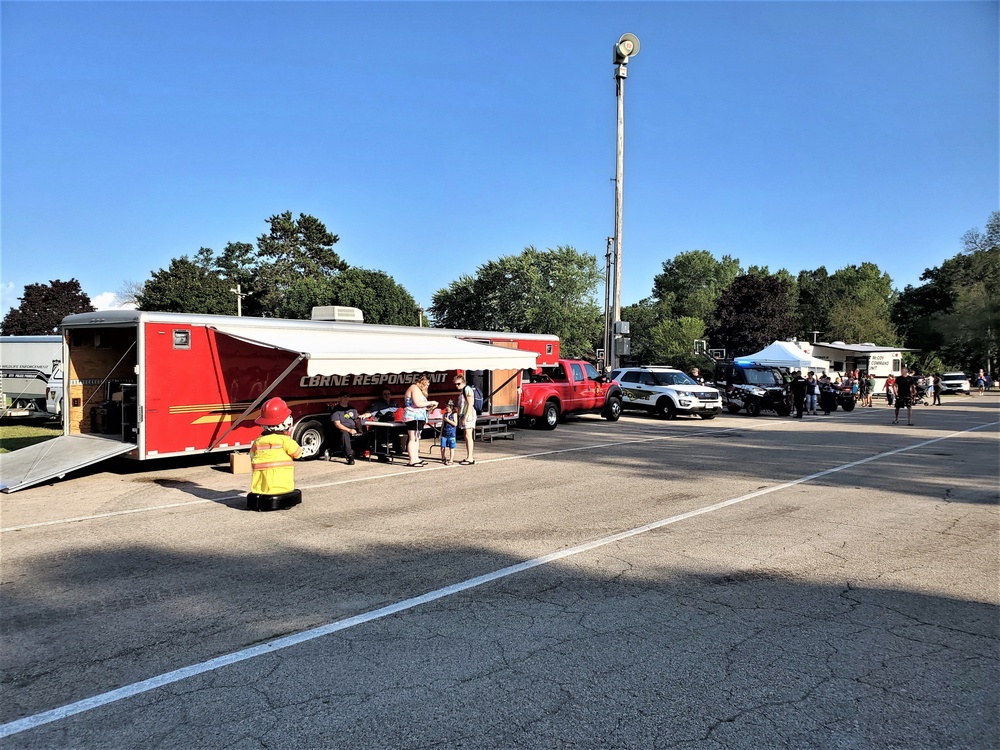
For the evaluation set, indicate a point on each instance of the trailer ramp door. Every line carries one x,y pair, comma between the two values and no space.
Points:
55,458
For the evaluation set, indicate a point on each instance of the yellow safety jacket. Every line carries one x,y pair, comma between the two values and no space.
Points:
271,457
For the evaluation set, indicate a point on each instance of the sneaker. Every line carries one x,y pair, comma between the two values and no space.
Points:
350,460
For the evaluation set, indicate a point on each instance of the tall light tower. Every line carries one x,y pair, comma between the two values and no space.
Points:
627,46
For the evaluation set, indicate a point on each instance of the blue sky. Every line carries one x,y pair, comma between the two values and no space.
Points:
433,137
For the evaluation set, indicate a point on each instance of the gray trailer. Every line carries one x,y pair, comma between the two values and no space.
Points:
27,363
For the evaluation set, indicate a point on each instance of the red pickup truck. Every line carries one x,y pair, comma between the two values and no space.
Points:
570,387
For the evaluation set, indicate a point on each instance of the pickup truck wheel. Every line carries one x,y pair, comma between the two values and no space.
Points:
613,409
550,417
310,436
733,409
753,408
665,408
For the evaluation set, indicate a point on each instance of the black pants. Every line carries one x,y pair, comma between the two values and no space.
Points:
800,404
351,443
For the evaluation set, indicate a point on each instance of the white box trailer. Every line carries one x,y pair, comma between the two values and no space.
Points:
27,363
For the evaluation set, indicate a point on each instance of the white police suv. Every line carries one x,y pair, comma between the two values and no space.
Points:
666,392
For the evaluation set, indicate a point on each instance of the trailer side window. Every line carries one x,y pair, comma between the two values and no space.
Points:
896,365
182,338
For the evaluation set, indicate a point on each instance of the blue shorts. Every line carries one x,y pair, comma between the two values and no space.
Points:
448,442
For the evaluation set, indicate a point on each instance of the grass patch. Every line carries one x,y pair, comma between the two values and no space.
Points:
14,436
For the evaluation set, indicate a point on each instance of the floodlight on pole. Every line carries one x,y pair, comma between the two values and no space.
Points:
627,46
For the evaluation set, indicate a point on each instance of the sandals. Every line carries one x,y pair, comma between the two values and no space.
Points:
467,462
419,463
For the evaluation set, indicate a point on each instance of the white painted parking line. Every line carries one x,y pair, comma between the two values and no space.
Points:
111,514
143,686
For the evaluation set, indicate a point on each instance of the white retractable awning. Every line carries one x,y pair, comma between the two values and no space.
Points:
364,353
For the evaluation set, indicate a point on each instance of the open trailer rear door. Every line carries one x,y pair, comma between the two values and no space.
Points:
55,458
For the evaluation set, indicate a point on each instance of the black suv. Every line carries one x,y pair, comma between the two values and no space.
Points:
754,387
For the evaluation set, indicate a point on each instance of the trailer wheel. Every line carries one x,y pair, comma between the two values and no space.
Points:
310,436
550,417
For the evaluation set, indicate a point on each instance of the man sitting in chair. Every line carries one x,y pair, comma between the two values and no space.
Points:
350,424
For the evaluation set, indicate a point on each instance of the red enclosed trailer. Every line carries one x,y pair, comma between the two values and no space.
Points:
150,384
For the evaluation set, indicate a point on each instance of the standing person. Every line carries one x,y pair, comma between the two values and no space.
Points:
449,427
812,392
981,382
936,385
415,406
870,389
906,391
466,417
350,426
890,389
798,388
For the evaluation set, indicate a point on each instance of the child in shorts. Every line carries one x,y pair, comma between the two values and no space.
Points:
449,427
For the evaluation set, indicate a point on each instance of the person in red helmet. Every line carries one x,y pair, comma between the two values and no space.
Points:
271,454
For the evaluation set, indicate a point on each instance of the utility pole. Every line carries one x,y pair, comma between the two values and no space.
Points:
608,340
627,46
239,299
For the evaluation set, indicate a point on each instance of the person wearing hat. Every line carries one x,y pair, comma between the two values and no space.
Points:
272,453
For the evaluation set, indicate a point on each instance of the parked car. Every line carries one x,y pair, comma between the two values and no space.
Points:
955,382
666,392
753,387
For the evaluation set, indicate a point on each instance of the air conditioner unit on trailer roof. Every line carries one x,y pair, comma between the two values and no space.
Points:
338,313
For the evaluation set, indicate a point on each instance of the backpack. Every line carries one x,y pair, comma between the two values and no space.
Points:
477,398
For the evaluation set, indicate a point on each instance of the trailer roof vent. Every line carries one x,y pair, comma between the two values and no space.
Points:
336,312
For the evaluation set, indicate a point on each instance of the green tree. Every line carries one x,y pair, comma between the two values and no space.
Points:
816,298
673,340
292,249
692,281
188,286
375,293
643,318
550,291
43,306
752,313
862,308
973,320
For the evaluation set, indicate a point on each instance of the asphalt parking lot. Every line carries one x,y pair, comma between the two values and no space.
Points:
831,582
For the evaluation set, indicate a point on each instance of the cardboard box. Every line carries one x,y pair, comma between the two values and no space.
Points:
239,463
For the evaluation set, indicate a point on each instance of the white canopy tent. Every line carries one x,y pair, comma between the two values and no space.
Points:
786,354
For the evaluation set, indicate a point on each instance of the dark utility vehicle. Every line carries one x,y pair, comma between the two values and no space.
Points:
753,387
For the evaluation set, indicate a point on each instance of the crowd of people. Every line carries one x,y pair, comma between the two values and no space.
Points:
457,422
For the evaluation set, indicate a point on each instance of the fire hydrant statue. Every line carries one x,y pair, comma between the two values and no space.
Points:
271,457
